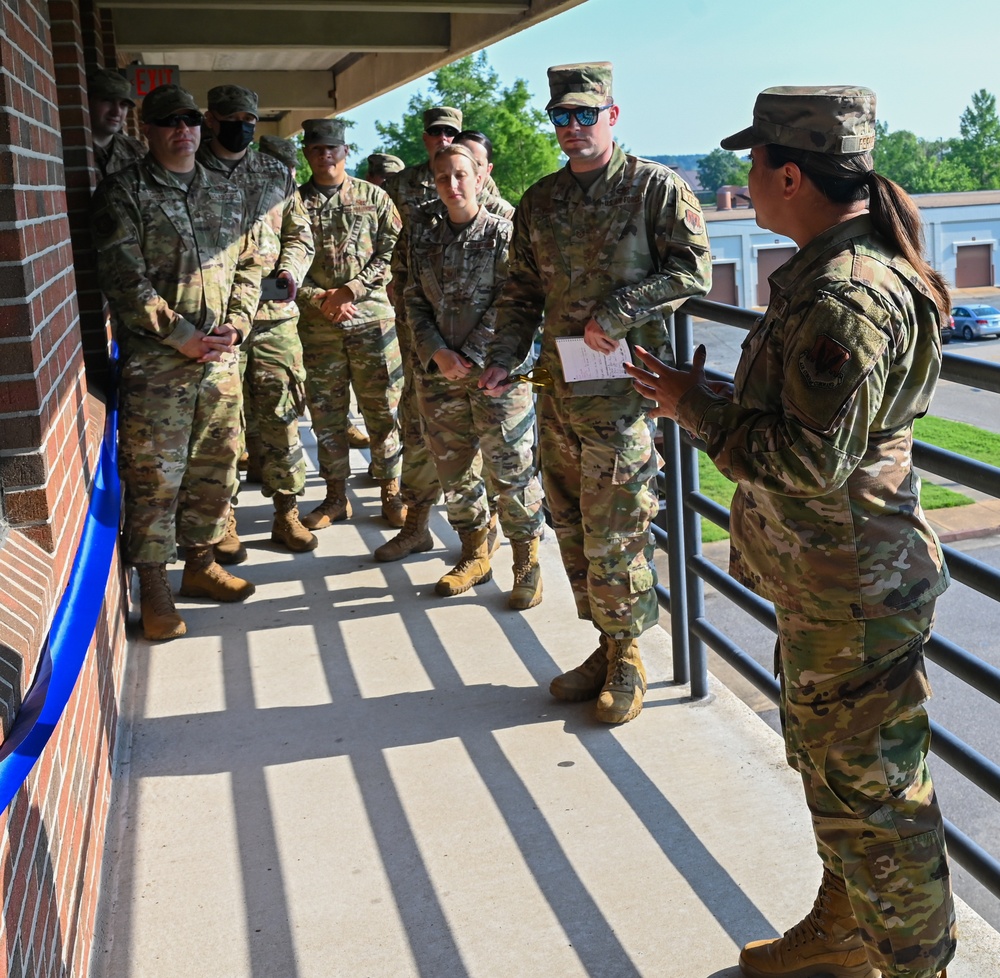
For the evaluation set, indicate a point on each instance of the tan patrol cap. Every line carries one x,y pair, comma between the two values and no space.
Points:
385,163
227,99
325,132
103,83
834,119
586,84
165,100
443,115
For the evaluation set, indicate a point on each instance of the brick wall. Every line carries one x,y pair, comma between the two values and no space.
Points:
52,835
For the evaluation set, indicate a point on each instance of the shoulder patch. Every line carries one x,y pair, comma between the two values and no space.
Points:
823,365
693,220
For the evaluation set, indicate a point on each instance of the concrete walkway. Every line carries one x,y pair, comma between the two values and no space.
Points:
349,777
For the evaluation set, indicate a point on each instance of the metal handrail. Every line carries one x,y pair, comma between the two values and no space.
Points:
679,534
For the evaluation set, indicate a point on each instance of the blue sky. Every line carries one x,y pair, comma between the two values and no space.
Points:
687,71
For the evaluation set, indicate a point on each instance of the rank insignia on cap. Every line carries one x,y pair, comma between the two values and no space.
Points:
823,365
693,221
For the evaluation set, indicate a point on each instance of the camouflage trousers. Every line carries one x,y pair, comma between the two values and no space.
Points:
367,357
178,433
599,474
856,732
274,397
459,420
419,473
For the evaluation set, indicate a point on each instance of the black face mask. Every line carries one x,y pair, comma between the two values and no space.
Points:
235,136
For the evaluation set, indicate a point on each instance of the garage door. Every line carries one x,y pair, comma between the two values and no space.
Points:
974,267
769,260
723,283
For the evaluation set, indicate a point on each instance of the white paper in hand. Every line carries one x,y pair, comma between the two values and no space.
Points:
579,362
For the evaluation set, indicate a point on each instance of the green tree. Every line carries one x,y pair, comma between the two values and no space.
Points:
978,147
524,145
721,167
918,165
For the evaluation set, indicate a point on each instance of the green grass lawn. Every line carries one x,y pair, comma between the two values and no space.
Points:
965,439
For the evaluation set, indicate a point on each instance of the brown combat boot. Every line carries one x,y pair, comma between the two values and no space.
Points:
586,681
827,942
621,698
160,621
333,509
230,549
255,460
493,535
393,507
204,578
414,538
288,529
527,590
356,438
473,565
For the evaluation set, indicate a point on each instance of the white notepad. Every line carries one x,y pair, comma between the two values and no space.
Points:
579,362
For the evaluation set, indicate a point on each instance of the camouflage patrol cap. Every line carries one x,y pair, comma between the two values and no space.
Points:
166,99
325,132
385,163
227,99
443,115
586,84
281,149
834,119
104,83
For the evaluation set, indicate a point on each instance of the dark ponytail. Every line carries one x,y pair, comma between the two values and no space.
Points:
894,216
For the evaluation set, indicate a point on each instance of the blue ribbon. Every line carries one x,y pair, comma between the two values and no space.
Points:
73,625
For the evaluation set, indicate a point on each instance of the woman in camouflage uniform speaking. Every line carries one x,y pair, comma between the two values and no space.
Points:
457,266
826,522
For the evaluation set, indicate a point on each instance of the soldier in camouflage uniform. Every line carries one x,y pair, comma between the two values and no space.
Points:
109,96
827,523
284,150
347,324
380,165
605,248
271,356
182,278
415,195
457,264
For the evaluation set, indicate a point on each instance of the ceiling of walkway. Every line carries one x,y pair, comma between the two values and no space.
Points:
310,58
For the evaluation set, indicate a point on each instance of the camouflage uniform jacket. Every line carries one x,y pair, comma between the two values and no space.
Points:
827,519
624,253
118,154
275,212
454,282
173,259
355,231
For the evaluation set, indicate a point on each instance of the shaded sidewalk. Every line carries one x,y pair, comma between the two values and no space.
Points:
348,776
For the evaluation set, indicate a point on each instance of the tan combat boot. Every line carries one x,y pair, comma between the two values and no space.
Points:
230,549
255,460
621,698
826,942
527,590
585,681
414,538
473,565
333,509
288,529
160,621
356,438
393,507
204,578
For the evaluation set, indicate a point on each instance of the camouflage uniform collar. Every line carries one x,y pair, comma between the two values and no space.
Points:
251,160
160,174
567,187
346,193
472,230
787,277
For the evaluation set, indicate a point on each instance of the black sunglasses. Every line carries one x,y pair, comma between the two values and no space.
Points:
191,119
442,131
586,115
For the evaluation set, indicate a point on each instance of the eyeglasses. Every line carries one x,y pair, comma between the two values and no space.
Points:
190,119
586,115
442,131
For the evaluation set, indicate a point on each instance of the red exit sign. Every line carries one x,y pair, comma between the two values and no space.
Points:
145,78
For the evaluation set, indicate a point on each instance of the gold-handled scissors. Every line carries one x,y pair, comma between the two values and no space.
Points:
539,377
